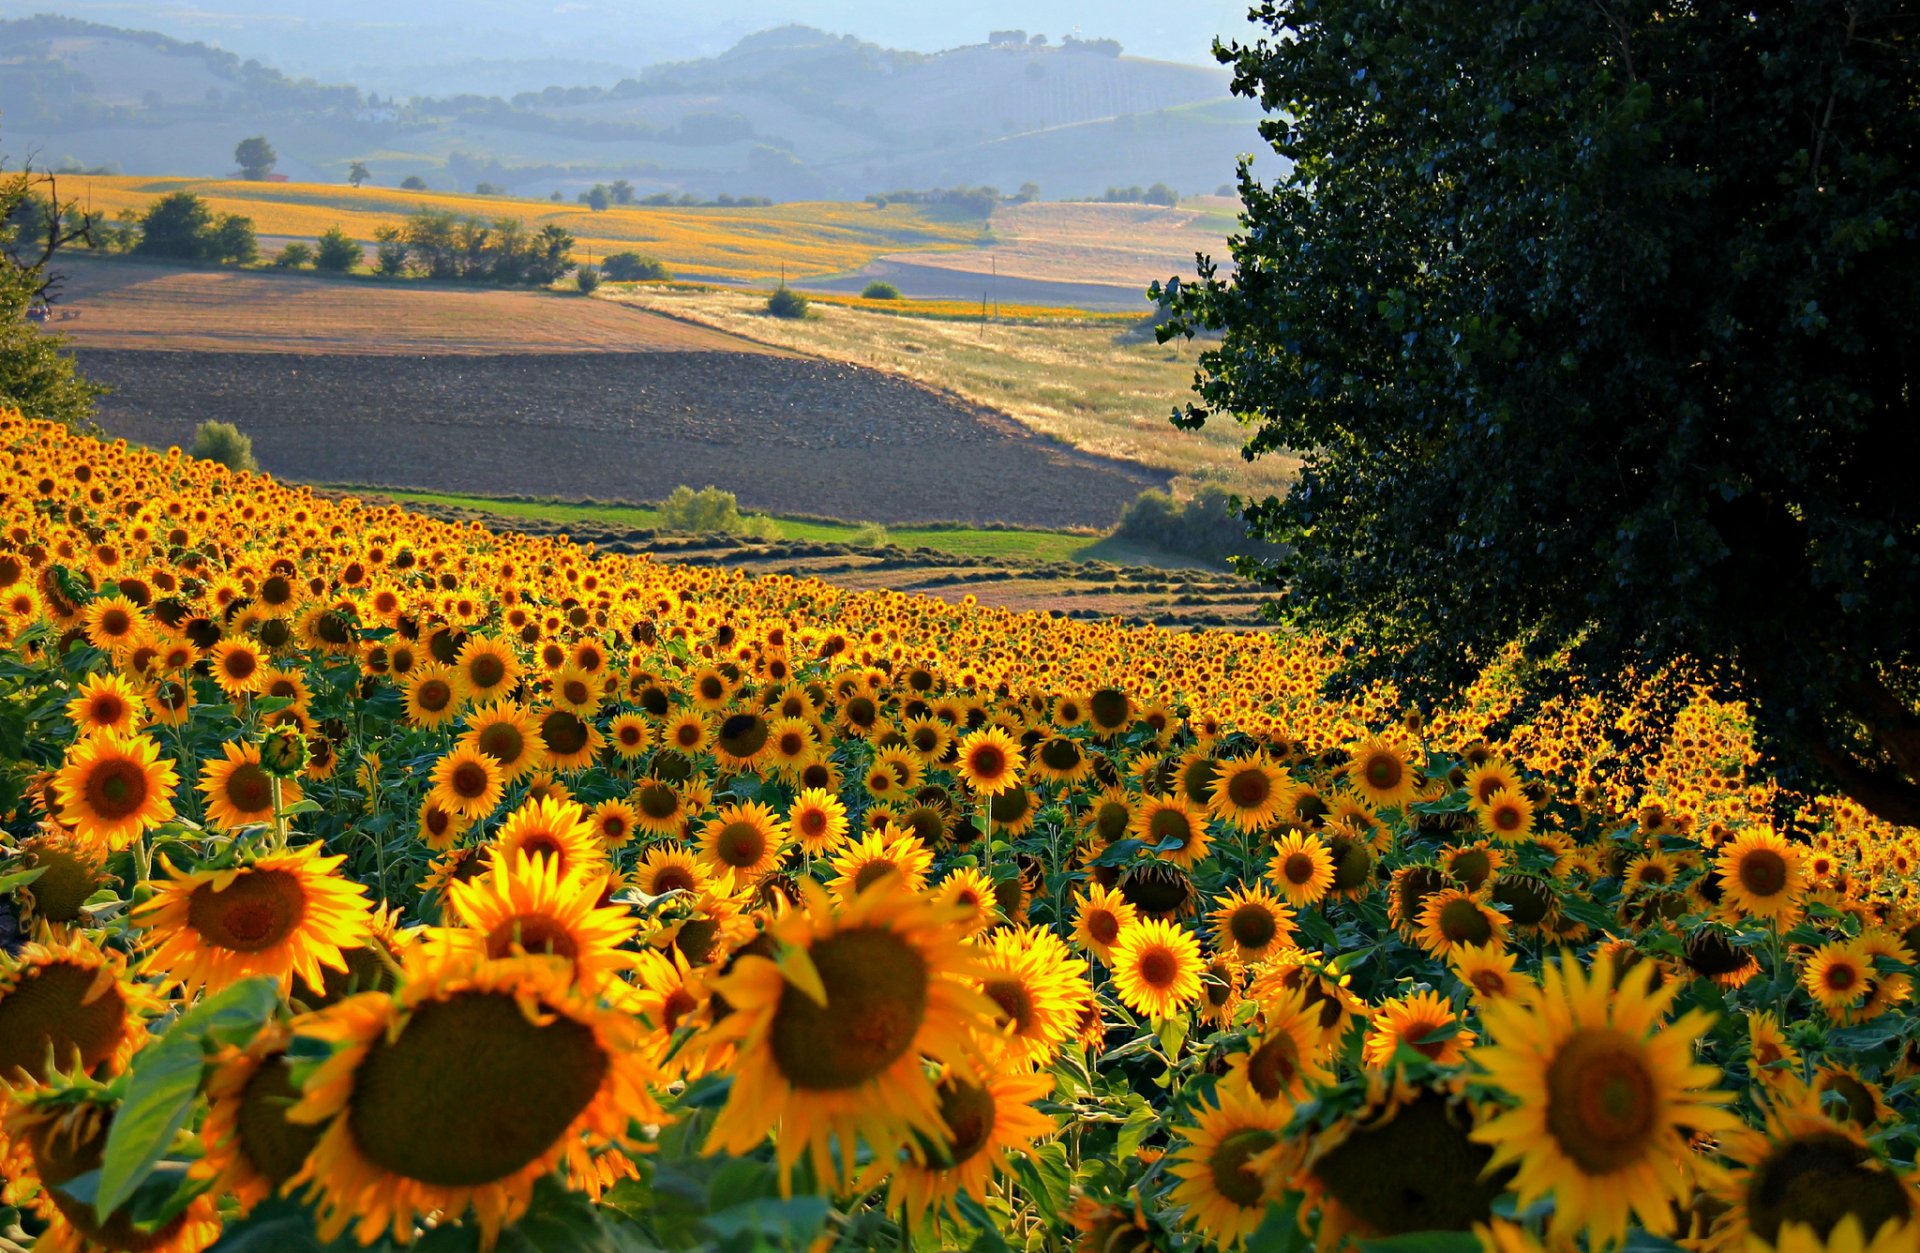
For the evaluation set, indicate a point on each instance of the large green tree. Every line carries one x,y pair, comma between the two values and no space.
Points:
36,375
1595,327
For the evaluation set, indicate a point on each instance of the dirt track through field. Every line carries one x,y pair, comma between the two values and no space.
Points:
787,434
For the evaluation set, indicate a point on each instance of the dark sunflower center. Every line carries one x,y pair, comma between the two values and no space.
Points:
1763,872
672,879
564,734
968,1111
275,1147
434,695
240,665
534,933
743,735
871,873
1273,1066
862,712
1508,817
1170,824
1158,968
1060,754
1253,926
1103,926
1298,869
250,789
740,844
1841,977
64,884
1818,1180
1601,1101
1489,981
1472,867
1352,866
116,788
988,762
1383,772
61,1154
1015,1002
1111,820
876,986
792,744
1109,708
414,1111
1416,1172
107,709
1228,1166
657,800
503,742
115,622
812,823
1249,789
1198,779
49,1011
487,670
1414,1035
470,780
258,910
1011,805
1463,922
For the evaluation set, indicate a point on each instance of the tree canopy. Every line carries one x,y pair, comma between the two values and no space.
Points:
36,376
255,157
1594,326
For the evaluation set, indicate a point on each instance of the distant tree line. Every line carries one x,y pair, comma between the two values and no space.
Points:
1159,194
436,244
1206,525
979,200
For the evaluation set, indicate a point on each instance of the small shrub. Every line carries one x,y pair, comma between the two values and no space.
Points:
224,442
787,303
879,290
293,256
631,267
760,526
872,535
336,253
587,278
708,511
413,182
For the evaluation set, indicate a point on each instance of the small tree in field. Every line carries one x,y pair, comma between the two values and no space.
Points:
294,256
787,303
358,173
255,157
223,442
336,253
587,278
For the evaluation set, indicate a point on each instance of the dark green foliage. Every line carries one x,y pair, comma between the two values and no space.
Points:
255,157
336,253
178,226
1595,327
389,252
631,267
233,240
440,245
358,173
413,182
36,377
597,198
223,442
878,290
587,279
787,303
1206,525
294,256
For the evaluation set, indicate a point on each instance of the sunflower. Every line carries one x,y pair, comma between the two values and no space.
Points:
689,733
1100,915
1302,868
238,789
106,702
487,668
1382,773
1172,828
1284,1058
568,740
523,906
111,621
114,788
1489,777
990,761
1506,816
668,868
1488,973
63,1142
987,1118
1887,988
238,667
67,1007
70,870
1770,1058
404,1137
439,826
832,1036
631,735
614,821
557,830
576,691
1837,976
278,915
1226,1198
792,742
742,742
1422,1021
467,782
659,807
1156,968
250,1148
818,822
891,850
1847,1236
968,888
1058,759
169,702
1606,1094
743,842
508,733
1761,877
1251,923
1039,987
1249,793
1452,918
433,696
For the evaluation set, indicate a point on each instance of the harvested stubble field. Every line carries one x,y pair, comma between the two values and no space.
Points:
1091,589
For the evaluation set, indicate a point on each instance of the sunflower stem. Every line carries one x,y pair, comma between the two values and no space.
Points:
279,815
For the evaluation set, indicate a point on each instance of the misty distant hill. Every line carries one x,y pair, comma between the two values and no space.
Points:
788,113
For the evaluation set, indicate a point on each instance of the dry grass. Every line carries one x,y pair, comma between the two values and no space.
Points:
811,240
1121,244
1085,383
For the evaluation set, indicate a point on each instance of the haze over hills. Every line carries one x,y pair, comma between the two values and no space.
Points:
790,113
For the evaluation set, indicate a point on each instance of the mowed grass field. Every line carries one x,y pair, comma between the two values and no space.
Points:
1095,384
811,239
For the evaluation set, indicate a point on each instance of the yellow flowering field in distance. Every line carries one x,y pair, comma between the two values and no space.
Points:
751,244
383,879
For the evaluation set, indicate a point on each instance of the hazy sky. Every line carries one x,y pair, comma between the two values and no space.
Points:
324,37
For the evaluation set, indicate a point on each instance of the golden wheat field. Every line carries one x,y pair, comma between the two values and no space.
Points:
388,881
749,245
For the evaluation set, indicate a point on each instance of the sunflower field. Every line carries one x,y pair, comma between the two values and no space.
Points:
370,880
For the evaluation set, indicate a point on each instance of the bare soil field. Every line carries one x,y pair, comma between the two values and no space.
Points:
128,304
787,434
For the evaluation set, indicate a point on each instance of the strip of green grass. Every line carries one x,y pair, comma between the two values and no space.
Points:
1008,545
